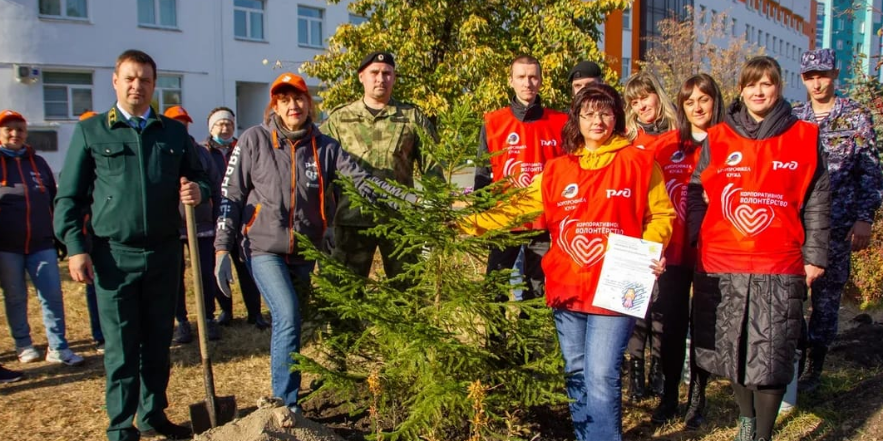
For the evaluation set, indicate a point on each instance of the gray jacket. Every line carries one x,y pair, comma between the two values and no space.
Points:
266,204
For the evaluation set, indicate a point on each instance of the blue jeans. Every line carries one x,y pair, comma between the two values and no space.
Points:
94,317
42,267
594,387
284,286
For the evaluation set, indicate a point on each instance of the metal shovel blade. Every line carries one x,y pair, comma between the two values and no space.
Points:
200,418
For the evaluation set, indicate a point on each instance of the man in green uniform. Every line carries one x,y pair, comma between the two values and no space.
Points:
129,167
384,135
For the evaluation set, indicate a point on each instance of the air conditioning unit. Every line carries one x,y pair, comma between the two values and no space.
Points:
26,74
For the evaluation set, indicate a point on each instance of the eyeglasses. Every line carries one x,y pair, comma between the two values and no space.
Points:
590,116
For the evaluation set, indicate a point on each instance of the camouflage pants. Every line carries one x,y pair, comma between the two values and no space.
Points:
826,292
356,250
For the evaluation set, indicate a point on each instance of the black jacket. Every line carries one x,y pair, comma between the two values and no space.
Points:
746,326
266,204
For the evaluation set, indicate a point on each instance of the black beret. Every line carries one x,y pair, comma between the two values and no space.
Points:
377,57
584,69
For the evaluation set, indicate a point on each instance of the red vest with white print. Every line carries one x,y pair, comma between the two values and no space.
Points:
519,150
677,168
582,207
756,189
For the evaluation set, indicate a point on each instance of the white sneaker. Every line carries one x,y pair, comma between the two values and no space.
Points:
27,354
99,348
65,356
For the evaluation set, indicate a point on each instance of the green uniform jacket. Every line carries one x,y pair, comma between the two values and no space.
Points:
131,179
386,145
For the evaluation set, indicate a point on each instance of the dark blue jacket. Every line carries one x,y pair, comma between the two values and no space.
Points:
27,189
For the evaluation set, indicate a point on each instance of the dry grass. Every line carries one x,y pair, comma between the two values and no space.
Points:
65,403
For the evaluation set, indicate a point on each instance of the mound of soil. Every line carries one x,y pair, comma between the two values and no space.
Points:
270,424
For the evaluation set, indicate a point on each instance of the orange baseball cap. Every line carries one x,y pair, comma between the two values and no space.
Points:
179,113
11,115
87,114
289,79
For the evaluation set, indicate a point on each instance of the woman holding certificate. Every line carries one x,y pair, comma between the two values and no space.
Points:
602,185
758,204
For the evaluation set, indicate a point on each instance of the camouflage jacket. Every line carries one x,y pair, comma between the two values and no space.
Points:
387,145
847,135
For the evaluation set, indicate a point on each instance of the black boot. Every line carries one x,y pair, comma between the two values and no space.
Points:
637,388
656,380
812,376
666,410
696,401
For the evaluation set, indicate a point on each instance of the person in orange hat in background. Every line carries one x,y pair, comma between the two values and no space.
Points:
27,245
205,232
274,187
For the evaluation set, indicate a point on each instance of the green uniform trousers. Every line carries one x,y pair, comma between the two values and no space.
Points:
137,291
355,249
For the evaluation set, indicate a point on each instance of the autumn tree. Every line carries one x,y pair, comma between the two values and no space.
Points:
701,42
459,51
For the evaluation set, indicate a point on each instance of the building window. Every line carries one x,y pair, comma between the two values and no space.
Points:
701,14
627,18
161,13
309,26
43,140
66,94
734,27
626,68
356,20
839,45
167,92
248,19
839,24
64,8
774,44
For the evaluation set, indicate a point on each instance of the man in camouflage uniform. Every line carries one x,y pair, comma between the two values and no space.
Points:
384,135
846,131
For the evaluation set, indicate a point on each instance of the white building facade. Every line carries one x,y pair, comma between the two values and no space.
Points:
57,56
784,28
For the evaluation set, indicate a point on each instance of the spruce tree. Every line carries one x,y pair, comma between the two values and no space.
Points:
430,333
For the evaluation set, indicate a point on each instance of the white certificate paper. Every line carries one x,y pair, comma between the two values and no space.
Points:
626,281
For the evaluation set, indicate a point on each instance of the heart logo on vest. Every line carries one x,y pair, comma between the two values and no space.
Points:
519,178
676,192
750,221
581,249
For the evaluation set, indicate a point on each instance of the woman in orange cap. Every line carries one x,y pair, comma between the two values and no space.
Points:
27,245
274,188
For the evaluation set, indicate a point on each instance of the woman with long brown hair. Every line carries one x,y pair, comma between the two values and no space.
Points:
699,107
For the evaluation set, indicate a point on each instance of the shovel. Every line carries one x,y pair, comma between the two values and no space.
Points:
214,411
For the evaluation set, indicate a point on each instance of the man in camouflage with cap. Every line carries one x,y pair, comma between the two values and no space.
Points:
846,132
384,135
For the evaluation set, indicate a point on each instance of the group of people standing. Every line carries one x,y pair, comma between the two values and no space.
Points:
756,203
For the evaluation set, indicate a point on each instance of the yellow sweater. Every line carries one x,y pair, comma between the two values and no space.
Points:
657,220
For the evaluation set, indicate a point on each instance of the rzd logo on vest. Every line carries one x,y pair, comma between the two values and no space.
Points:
624,193
580,248
748,220
779,165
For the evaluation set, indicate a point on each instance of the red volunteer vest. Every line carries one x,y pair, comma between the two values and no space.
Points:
582,207
525,147
646,140
677,168
755,192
